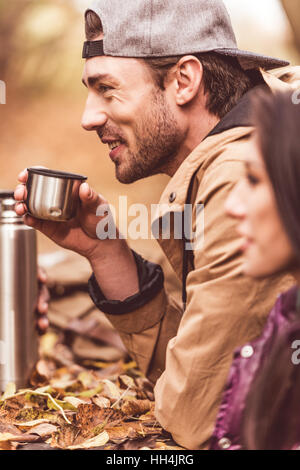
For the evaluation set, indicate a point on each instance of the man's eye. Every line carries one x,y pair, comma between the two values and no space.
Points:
103,88
252,179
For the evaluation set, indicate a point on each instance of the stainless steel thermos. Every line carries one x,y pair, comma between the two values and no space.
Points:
18,295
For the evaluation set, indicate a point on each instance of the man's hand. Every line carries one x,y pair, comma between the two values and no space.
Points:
111,259
42,302
78,234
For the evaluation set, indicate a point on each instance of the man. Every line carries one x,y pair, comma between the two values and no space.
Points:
168,92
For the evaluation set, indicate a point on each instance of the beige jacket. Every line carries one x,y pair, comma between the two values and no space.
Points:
188,354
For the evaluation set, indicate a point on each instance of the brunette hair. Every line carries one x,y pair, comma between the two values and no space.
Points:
225,82
277,119
271,417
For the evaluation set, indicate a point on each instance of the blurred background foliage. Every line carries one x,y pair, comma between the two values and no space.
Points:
40,43
40,61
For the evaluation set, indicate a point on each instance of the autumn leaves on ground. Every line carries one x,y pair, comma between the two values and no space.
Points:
107,406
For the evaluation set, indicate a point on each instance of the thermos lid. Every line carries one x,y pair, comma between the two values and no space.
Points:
7,204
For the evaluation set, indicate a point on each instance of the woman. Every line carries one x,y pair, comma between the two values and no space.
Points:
260,408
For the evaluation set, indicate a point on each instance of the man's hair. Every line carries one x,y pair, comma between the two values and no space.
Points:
224,80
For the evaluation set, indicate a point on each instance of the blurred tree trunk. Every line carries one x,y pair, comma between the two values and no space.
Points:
292,9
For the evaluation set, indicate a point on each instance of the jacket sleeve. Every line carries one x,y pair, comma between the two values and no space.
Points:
146,321
189,355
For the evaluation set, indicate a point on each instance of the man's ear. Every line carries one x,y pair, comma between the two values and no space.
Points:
188,79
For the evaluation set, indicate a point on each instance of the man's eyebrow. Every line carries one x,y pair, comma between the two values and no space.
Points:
92,80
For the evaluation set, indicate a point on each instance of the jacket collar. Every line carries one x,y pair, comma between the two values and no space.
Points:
239,116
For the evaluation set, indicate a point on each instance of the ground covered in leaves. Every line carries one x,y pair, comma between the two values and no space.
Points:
94,405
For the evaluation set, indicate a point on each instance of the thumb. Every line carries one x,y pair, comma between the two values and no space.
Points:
89,198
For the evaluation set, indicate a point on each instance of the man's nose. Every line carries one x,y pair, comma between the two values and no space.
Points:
93,116
235,203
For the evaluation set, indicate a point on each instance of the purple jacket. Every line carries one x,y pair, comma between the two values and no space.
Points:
247,360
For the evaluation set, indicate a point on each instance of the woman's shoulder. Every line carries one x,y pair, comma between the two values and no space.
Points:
287,301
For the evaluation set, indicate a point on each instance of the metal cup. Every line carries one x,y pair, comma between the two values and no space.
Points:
52,195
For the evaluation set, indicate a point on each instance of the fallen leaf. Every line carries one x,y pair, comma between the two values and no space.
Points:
137,444
111,390
121,433
9,428
43,430
90,416
90,393
55,404
136,407
102,402
10,391
6,436
87,379
43,372
67,436
127,381
74,401
47,343
8,445
97,441
32,423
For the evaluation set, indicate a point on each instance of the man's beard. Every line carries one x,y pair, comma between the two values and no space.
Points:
157,137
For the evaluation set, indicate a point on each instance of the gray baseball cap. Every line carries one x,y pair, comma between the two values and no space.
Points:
163,28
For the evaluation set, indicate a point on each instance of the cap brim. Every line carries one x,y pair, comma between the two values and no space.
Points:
250,60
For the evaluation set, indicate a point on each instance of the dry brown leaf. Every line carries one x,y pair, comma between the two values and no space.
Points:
136,407
29,424
102,402
44,370
9,428
77,401
111,390
97,441
47,343
10,390
68,435
63,382
165,446
127,382
137,444
6,436
44,429
90,416
8,445
121,433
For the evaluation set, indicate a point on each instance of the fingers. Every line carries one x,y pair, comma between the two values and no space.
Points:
23,176
42,324
43,300
42,275
20,193
89,197
21,190
20,208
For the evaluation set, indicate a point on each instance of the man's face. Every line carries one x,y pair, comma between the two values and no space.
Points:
131,114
